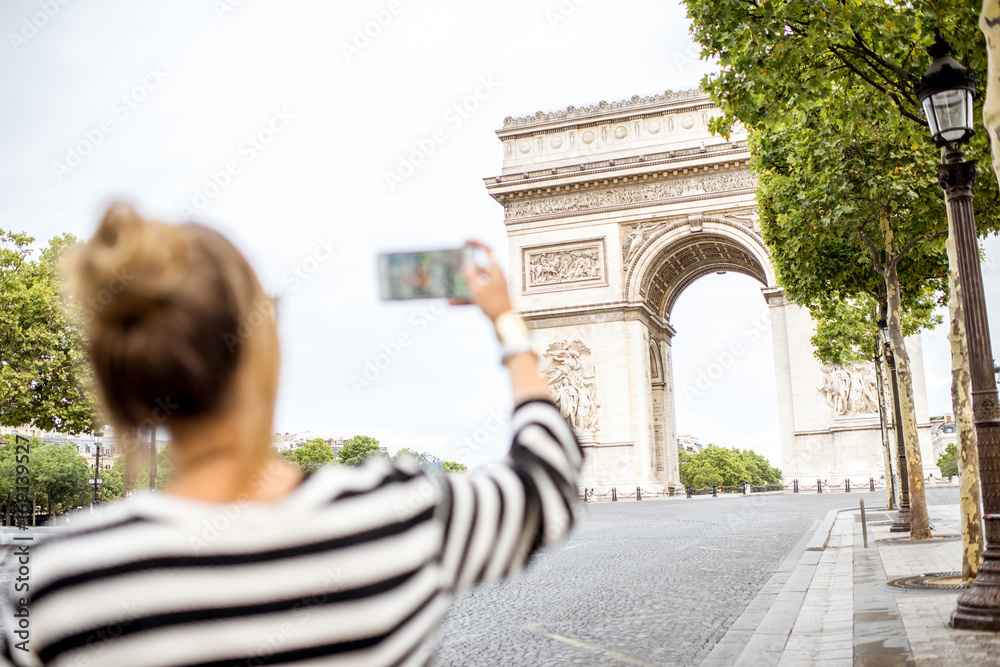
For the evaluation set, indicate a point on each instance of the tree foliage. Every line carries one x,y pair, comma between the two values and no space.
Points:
840,147
452,466
948,461
315,453
422,458
780,58
727,466
45,377
57,474
358,450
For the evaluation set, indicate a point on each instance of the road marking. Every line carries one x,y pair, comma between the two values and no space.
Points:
589,647
572,546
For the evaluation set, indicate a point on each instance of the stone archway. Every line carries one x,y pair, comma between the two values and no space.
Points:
611,212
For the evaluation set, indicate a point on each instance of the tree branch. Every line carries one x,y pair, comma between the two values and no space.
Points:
874,251
913,243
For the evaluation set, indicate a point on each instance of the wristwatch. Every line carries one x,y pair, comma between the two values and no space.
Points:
513,334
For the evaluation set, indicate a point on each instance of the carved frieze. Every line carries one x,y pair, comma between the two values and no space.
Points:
631,194
563,266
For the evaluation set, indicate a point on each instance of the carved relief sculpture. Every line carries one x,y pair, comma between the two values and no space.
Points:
568,367
851,390
546,268
631,194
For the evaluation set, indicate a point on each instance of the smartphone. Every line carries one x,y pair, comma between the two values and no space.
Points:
430,274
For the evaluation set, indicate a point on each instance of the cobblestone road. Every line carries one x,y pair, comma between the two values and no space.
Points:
650,583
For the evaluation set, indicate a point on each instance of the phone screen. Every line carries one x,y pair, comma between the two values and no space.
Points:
423,275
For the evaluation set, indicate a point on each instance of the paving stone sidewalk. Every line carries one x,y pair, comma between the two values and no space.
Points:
834,607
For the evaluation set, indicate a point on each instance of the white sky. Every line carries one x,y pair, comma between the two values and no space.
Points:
339,122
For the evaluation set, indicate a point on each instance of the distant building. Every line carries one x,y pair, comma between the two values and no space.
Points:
292,441
689,444
111,449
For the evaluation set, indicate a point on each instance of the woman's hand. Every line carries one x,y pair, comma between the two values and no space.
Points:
487,287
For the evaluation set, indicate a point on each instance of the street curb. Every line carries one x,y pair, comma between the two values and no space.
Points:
821,537
766,641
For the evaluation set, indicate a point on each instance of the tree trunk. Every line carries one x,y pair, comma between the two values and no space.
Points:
961,400
989,23
919,524
34,505
881,369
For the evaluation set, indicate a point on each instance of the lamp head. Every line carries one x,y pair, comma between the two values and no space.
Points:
945,91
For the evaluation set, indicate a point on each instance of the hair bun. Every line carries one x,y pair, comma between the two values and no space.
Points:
129,268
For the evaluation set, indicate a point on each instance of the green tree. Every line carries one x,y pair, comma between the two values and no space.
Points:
423,458
60,475
948,461
451,466
759,469
358,450
45,377
314,453
842,152
722,466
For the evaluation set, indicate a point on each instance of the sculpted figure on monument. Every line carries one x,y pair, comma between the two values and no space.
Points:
564,266
570,372
850,390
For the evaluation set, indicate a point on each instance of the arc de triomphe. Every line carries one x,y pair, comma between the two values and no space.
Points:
611,212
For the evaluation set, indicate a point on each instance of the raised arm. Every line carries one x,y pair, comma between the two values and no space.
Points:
497,518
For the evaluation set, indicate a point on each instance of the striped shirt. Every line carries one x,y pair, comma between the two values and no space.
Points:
356,566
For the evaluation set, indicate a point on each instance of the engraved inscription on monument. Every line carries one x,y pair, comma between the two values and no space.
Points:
568,367
563,266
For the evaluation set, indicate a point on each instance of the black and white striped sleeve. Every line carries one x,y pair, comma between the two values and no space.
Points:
498,517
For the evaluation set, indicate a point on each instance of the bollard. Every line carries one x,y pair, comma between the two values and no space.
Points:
795,485
638,494
715,491
819,486
688,489
614,494
745,488
585,491
864,523
871,484
847,486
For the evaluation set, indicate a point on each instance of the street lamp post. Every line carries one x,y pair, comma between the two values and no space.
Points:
98,440
946,91
10,499
902,523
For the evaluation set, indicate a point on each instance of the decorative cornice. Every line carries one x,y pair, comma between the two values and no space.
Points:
594,314
635,103
534,178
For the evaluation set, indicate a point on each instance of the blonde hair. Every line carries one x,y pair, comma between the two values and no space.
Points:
167,309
